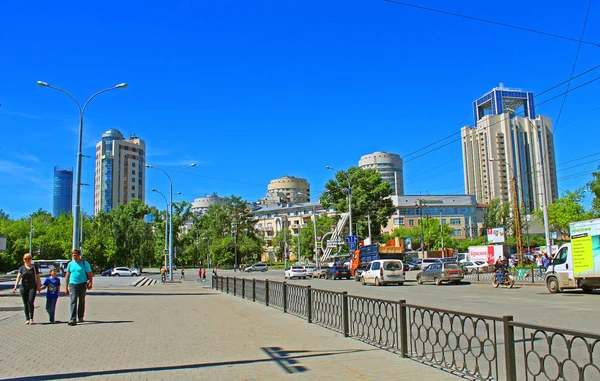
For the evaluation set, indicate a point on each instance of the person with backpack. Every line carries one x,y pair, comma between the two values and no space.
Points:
78,280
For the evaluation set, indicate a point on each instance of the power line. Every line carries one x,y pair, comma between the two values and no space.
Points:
492,22
573,68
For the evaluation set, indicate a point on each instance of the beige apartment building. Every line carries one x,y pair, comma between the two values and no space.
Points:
120,173
288,189
388,165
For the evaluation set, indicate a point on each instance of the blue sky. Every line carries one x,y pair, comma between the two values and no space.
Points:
252,91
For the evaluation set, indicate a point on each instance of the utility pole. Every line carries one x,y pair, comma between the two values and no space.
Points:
31,236
442,235
283,222
517,214
420,206
315,232
299,231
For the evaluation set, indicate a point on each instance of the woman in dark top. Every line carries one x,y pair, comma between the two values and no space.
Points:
30,285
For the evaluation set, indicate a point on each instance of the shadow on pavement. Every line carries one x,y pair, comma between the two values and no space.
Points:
286,359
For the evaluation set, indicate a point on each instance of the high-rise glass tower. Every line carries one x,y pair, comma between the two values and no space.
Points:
120,170
504,144
63,192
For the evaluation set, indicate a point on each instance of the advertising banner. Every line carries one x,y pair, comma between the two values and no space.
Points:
488,254
585,241
495,235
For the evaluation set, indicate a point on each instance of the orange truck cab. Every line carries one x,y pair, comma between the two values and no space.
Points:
369,253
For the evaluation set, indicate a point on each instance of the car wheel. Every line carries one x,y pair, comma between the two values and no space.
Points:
456,282
377,282
362,281
117,274
437,281
552,284
400,283
419,280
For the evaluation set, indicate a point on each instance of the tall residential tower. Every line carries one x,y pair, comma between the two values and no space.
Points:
120,171
503,145
389,165
63,192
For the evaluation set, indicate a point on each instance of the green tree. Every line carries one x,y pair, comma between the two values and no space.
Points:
594,186
565,210
497,215
370,198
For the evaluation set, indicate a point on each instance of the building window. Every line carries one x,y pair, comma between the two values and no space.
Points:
396,221
457,232
133,187
133,172
455,221
443,221
411,222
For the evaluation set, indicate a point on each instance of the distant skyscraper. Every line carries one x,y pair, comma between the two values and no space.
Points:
63,192
502,142
389,165
120,171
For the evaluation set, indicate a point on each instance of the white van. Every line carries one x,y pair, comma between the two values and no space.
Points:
383,271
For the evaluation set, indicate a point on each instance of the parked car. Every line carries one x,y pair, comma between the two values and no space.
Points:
338,272
441,272
124,271
383,271
309,270
359,270
410,265
257,267
295,272
425,263
320,273
106,272
13,272
477,266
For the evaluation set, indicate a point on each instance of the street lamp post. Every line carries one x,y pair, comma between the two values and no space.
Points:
166,226
516,210
77,208
171,178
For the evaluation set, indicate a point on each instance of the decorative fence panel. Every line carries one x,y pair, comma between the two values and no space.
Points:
474,346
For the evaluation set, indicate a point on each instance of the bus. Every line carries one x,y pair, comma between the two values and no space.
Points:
45,265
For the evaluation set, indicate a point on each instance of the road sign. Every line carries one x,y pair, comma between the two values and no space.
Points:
352,246
332,244
319,245
351,239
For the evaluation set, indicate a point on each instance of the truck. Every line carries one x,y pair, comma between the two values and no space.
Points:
369,253
577,264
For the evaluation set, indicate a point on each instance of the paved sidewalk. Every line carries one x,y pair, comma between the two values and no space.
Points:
185,331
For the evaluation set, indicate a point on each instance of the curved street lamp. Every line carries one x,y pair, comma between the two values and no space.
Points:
171,178
76,212
349,179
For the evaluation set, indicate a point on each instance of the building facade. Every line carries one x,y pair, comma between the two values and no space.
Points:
461,212
120,171
271,219
389,165
290,189
200,205
63,192
503,145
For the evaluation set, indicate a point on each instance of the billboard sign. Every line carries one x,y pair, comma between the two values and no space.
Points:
495,235
488,254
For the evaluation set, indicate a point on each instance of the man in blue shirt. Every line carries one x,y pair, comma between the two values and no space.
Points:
78,279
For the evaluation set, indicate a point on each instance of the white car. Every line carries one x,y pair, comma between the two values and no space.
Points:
477,266
383,271
124,271
309,270
295,272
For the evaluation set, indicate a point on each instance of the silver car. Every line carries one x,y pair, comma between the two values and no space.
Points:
309,270
441,272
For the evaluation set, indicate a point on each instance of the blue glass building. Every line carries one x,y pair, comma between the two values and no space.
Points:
500,99
63,191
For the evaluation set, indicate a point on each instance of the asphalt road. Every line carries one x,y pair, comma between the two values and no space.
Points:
529,304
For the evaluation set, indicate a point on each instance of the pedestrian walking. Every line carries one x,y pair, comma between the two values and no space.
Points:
200,275
546,261
163,274
30,285
540,264
78,280
52,286
203,275
182,274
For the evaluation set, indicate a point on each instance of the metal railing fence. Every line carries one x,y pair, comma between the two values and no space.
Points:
475,346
